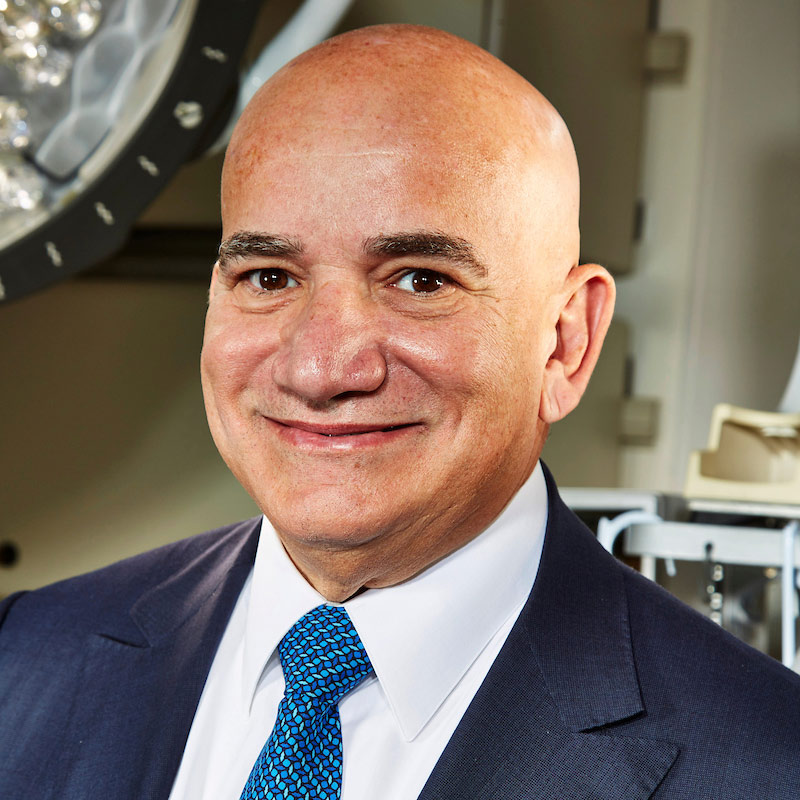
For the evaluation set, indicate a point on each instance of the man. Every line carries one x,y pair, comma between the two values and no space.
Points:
396,317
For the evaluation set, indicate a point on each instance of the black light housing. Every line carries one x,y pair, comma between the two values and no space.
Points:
193,107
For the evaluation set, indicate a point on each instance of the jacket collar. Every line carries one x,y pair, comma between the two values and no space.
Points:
577,622
213,566
548,721
160,648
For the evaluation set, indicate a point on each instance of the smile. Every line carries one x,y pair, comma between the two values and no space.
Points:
338,437
367,430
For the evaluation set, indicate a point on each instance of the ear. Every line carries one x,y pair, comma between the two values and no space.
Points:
580,330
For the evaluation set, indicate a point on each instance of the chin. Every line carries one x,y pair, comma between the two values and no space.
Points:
327,519
324,532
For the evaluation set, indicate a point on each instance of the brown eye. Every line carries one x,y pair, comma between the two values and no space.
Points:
271,280
421,281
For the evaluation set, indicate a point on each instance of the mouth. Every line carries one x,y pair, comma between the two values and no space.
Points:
337,431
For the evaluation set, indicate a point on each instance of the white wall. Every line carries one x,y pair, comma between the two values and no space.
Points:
713,304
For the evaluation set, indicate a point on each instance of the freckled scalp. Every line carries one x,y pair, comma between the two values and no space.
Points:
416,89
401,80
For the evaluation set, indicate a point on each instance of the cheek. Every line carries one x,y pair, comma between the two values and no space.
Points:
235,349
508,366
471,365
443,353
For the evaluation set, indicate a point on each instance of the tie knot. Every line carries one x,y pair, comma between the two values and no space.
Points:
322,656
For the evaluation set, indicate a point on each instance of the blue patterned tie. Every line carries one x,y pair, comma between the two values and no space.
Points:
322,659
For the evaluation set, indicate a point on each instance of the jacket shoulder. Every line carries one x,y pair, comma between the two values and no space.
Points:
77,604
734,711
699,658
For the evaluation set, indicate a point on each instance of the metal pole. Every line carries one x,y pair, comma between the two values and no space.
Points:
788,646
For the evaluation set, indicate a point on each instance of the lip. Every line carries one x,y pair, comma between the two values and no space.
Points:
340,436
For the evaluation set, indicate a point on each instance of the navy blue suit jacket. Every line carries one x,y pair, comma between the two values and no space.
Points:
607,687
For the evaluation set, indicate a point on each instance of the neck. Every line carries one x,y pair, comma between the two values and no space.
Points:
338,572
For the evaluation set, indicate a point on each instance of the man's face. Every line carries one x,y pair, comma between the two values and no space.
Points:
377,330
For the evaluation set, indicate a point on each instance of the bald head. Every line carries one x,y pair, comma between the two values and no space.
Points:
426,91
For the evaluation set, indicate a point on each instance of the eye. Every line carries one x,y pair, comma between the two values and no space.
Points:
271,280
421,281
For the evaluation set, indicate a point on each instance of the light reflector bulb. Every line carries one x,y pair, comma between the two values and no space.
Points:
74,19
49,66
21,186
14,130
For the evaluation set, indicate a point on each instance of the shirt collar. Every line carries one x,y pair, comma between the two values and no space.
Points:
421,635
279,596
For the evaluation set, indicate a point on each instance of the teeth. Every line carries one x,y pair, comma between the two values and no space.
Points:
358,433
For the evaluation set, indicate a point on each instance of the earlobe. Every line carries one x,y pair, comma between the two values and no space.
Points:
580,330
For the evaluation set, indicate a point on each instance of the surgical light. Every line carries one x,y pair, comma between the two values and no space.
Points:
93,119
102,100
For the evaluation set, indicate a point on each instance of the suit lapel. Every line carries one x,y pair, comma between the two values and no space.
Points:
129,744
548,721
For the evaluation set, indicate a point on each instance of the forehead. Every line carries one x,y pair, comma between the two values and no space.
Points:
336,192
356,166
401,144
335,201
333,169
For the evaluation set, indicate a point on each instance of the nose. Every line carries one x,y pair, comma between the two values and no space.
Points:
332,347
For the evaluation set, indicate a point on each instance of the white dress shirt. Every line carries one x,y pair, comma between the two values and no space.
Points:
431,641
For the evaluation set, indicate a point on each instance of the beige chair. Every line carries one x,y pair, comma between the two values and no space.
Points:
752,456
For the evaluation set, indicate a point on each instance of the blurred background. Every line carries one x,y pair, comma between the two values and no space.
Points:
686,120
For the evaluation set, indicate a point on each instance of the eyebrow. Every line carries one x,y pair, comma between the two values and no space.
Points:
427,243
435,244
244,244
